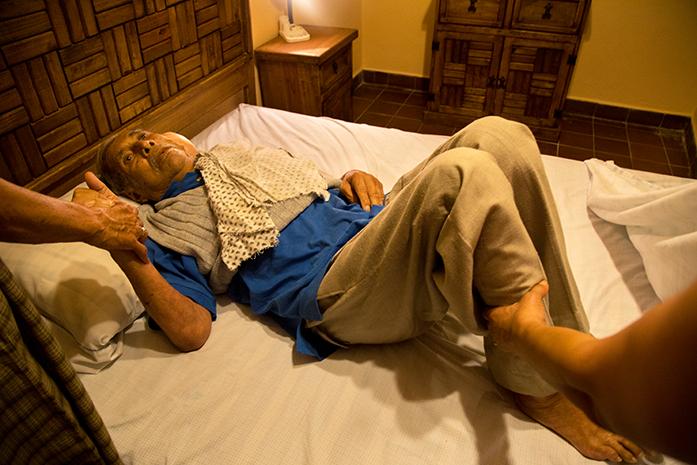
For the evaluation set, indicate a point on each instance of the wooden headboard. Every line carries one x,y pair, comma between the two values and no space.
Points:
73,72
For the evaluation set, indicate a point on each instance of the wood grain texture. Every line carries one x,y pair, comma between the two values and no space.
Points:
316,74
72,72
504,57
323,40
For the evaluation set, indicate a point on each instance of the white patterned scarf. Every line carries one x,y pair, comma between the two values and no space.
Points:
243,182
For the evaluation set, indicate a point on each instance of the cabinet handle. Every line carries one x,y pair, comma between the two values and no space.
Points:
491,82
501,83
548,11
473,6
335,67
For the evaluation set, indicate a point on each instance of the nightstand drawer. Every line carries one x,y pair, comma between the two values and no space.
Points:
337,103
337,67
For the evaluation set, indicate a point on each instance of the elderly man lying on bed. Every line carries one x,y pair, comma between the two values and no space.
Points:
472,226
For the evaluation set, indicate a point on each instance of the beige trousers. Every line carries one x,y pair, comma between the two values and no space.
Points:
472,226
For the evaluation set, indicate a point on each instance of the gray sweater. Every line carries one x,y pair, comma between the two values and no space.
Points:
186,224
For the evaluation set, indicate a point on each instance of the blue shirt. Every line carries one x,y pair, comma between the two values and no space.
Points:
282,281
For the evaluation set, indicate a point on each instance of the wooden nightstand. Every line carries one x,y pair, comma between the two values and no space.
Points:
311,77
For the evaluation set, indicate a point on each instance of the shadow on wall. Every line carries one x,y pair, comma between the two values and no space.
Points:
427,24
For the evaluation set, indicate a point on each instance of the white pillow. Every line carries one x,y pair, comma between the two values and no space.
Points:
81,290
659,214
86,360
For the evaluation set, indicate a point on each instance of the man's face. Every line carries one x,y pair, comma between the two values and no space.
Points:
151,161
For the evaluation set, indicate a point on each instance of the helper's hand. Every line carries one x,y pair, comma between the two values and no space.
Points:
362,188
119,227
508,324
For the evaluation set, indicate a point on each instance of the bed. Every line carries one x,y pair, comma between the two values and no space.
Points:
246,397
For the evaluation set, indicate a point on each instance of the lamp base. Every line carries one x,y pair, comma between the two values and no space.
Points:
291,32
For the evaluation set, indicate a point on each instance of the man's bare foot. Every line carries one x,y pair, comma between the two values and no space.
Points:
510,325
559,414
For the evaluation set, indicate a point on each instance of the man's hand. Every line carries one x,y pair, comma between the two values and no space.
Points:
362,188
120,227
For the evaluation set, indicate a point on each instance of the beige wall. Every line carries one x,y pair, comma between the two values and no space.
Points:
639,54
397,36
264,15
338,13
635,53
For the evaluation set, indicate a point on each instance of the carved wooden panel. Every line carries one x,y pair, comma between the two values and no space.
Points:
533,71
467,64
507,57
73,71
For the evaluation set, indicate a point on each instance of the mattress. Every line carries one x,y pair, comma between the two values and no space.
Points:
247,398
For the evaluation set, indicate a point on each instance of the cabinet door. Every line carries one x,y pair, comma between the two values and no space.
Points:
464,70
536,74
474,12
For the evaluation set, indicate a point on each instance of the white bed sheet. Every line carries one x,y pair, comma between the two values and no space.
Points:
247,398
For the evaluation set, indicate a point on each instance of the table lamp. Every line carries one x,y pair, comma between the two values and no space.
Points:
289,31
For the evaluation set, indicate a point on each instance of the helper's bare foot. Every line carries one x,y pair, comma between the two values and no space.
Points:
559,414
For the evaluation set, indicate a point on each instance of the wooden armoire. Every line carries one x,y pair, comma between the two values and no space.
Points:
512,58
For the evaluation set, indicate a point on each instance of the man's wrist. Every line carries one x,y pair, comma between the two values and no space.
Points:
123,258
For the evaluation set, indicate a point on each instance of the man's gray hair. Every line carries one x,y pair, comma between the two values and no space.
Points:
116,180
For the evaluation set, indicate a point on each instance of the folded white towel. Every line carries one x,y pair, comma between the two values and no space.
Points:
660,214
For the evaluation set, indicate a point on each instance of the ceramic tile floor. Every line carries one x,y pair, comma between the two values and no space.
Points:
631,146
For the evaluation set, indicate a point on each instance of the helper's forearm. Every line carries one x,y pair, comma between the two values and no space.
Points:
641,381
30,217
649,378
186,323
564,357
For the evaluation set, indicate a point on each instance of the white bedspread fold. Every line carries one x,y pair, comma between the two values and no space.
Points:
660,214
